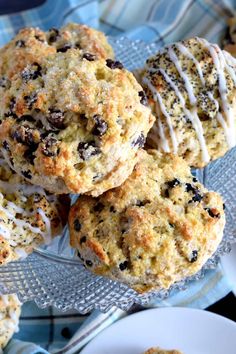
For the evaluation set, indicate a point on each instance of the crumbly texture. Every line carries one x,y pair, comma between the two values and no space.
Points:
158,350
208,106
29,216
31,45
229,41
73,123
10,309
160,226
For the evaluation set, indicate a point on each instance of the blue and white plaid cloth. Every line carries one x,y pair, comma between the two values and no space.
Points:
153,20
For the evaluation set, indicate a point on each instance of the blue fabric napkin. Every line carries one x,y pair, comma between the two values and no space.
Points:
154,20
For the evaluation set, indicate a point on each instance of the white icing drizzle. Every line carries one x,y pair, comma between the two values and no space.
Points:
20,252
47,233
5,299
220,66
222,61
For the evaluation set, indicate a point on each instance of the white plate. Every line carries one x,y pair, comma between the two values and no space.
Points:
189,330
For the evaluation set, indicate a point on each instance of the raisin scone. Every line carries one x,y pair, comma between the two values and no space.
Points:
160,226
229,41
158,350
191,87
10,309
29,216
75,125
31,45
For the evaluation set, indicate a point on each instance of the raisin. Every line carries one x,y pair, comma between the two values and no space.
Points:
24,135
89,57
197,197
194,256
114,64
29,153
143,98
86,150
12,107
98,207
4,82
5,145
123,265
77,225
174,183
30,100
56,118
50,146
100,127
27,174
20,43
89,263
140,141
32,72
26,117
54,34
64,48
82,240
213,213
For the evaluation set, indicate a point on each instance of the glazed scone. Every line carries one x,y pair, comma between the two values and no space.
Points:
29,216
230,39
160,226
158,350
10,309
191,87
75,125
31,45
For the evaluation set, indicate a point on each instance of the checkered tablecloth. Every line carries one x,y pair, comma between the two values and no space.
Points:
161,21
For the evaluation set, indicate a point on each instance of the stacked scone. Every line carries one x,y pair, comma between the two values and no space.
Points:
74,120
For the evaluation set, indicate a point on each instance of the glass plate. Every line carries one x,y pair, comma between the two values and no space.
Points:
53,275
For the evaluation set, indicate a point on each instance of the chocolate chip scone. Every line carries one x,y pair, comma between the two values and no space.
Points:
31,45
75,124
191,87
158,350
10,309
160,226
29,216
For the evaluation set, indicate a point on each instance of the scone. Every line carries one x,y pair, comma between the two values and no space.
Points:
31,45
160,226
10,309
230,38
161,351
74,123
191,87
29,216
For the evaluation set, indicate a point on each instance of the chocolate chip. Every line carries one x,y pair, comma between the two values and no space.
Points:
26,117
98,207
20,43
89,57
112,209
50,146
39,38
89,263
4,82
190,188
195,179
87,150
140,203
174,183
12,107
82,239
30,100
100,126
78,45
140,141
29,153
32,72
194,256
114,64
197,197
27,174
64,48
56,118
123,265
5,145
77,225
143,98
54,34
213,213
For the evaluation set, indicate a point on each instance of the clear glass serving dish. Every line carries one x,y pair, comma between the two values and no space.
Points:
53,275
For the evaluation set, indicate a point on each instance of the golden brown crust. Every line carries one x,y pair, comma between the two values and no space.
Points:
77,126
158,227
